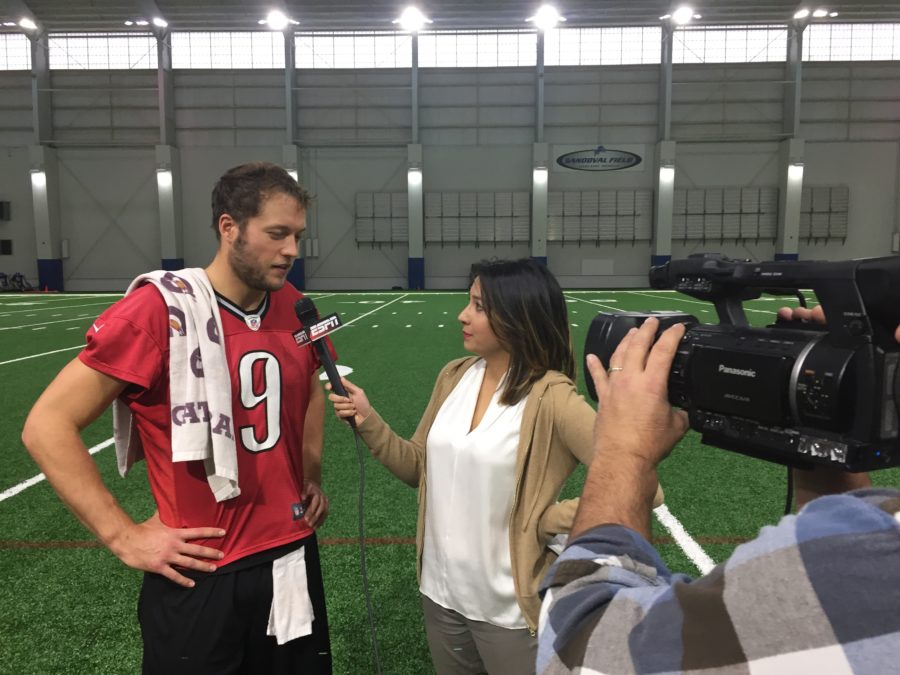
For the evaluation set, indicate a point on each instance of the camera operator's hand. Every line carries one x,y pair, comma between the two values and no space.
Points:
814,315
634,414
636,428
821,480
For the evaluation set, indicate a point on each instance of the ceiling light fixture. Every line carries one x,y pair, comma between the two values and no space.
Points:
27,23
805,14
277,20
683,15
159,22
546,18
412,20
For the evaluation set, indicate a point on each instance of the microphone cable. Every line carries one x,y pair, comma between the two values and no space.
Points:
373,629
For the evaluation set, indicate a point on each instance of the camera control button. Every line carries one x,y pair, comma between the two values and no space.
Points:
856,327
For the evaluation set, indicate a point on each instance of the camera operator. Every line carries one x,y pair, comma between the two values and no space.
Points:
819,592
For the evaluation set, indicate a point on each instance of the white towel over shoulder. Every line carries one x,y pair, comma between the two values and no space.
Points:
199,383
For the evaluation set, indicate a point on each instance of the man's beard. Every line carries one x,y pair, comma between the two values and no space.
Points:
246,271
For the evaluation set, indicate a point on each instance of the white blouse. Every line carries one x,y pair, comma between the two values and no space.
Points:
470,488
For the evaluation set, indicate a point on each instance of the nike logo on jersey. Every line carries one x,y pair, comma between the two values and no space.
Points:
96,327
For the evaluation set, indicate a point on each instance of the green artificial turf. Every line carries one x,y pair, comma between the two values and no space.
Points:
68,606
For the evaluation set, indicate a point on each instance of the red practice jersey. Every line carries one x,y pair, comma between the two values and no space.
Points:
270,385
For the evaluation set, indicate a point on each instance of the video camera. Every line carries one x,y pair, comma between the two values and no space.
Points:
795,393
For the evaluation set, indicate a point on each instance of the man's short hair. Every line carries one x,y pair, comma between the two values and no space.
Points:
241,191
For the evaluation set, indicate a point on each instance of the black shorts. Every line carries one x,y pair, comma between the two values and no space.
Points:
219,626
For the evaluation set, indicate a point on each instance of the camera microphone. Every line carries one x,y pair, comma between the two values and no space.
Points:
314,330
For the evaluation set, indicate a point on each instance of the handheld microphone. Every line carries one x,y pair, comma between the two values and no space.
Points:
305,309
313,331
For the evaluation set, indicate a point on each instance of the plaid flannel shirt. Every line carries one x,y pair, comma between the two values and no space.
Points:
817,593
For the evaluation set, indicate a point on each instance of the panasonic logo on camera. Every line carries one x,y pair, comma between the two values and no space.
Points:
743,372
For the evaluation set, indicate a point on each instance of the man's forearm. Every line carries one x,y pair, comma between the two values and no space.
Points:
312,465
619,489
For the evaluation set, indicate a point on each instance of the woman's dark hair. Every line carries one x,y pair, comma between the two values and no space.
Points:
242,190
527,312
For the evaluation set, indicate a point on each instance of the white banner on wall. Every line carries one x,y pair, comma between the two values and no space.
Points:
598,158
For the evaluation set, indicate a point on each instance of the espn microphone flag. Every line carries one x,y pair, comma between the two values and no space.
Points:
317,330
314,330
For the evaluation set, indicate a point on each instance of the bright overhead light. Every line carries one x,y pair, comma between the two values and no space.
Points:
142,22
832,14
129,22
546,18
683,15
412,20
414,176
9,24
159,22
801,13
27,23
276,20
820,13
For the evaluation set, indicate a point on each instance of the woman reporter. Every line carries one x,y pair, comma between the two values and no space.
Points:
503,431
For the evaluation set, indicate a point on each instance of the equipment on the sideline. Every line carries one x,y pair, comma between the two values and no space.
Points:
18,282
795,393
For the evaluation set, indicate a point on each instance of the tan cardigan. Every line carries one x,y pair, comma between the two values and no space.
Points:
555,435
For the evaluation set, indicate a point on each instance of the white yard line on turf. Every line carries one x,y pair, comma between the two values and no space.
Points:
786,300
46,323
598,304
35,356
56,307
699,302
12,299
24,485
362,316
691,548
416,294
668,290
